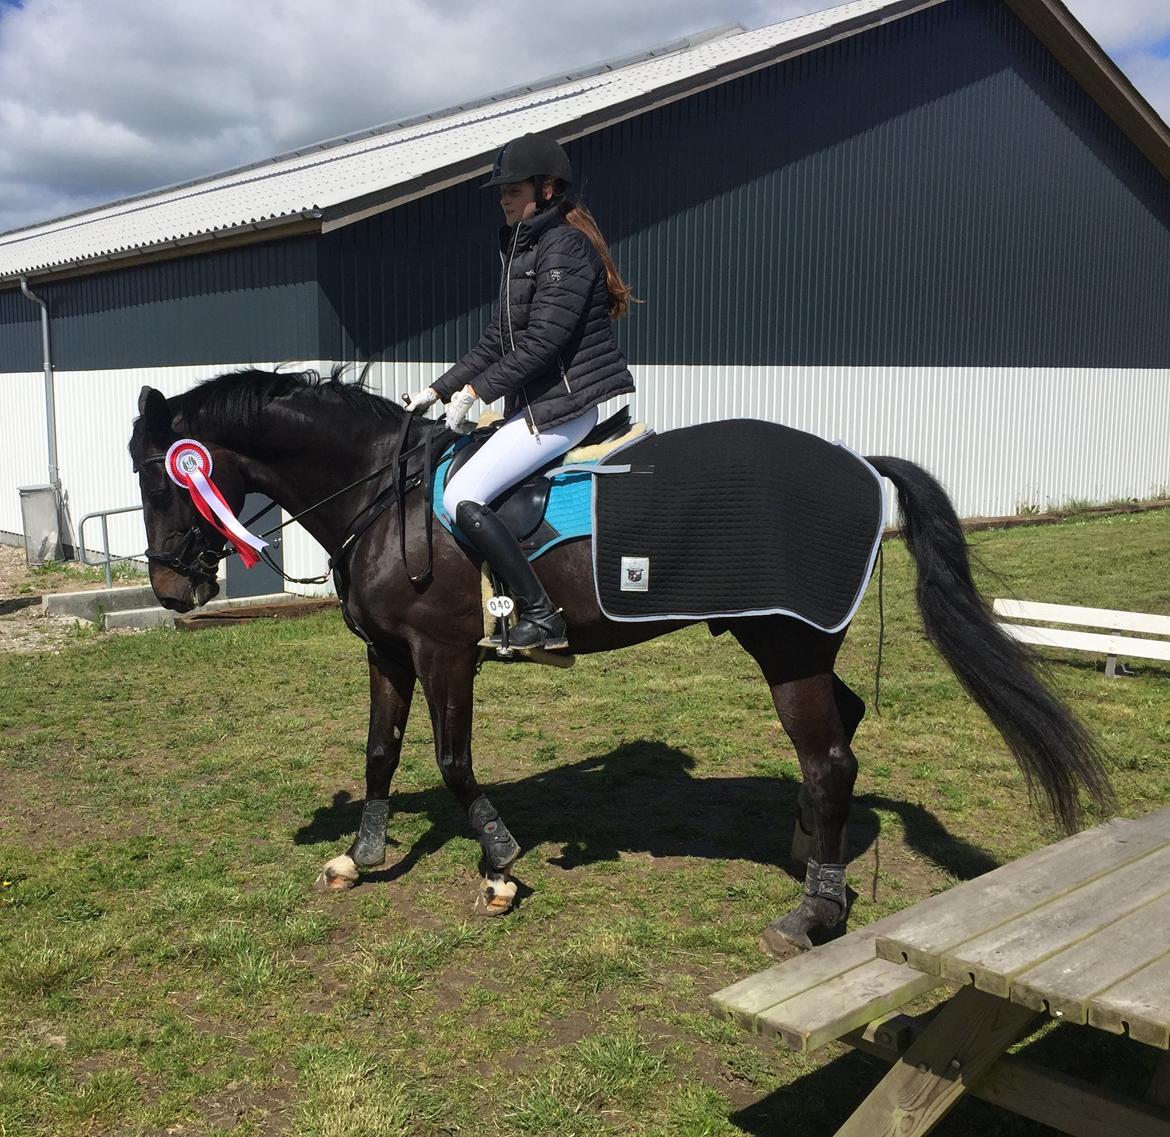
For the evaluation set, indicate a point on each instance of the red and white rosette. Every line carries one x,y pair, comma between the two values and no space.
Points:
189,465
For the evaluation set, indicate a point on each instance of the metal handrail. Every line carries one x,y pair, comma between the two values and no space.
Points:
108,559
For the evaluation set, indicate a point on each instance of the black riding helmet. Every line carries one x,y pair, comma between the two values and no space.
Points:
531,156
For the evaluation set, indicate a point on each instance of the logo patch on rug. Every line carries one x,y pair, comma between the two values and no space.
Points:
635,574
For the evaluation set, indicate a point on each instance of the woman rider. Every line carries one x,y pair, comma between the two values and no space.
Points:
549,349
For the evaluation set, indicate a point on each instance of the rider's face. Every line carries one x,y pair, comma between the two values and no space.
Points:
518,201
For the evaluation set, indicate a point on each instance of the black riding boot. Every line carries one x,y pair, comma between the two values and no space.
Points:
540,624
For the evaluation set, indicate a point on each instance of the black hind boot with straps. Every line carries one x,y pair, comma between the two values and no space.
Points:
539,623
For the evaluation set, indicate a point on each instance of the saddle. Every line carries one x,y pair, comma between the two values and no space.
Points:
524,508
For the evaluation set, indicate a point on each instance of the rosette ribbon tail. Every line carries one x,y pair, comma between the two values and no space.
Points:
210,503
188,462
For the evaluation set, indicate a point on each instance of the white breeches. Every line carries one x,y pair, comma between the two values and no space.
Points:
512,453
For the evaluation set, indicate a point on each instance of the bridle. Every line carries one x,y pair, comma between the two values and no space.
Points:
193,554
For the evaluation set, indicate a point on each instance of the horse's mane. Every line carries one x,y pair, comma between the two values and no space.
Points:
234,401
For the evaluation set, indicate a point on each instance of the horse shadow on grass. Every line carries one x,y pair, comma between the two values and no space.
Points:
643,797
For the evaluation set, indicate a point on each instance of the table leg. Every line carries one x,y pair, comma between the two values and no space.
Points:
1158,1092
959,1046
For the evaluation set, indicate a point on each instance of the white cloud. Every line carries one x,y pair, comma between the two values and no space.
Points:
102,100
1121,26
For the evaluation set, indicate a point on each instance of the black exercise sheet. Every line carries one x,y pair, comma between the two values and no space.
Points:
736,518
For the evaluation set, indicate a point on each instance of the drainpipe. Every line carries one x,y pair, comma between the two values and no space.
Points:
50,399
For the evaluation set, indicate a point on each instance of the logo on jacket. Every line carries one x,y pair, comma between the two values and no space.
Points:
635,574
555,274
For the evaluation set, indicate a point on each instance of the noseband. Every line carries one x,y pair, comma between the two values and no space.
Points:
191,555
195,555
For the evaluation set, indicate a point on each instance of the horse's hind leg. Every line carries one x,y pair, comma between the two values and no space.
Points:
391,689
820,714
851,710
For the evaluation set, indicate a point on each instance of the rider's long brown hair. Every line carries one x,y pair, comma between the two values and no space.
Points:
620,293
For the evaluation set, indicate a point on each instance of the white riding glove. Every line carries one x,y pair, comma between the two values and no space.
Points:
420,400
457,409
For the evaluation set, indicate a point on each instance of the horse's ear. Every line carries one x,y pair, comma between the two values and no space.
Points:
152,405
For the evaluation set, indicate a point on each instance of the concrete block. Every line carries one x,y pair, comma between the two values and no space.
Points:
87,605
155,617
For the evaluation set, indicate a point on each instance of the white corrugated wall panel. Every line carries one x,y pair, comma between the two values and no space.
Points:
95,411
24,453
999,439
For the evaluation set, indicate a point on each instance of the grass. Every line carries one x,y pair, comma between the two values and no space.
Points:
165,965
56,576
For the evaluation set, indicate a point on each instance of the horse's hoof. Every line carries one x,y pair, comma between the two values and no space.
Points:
338,875
780,941
495,897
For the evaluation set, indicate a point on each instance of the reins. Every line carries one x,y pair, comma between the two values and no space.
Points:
400,486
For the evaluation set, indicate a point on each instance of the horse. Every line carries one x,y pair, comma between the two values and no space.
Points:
339,458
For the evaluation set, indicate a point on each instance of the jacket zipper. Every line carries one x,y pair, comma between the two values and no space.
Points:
532,427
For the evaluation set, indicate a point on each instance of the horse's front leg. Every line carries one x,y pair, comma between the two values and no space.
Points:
391,689
448,679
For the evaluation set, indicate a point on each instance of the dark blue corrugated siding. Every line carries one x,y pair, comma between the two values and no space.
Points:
20,333
937,191
248,304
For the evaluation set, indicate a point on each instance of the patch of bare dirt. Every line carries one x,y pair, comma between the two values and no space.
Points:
25,627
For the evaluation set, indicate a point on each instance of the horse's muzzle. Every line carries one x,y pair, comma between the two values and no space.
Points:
178,593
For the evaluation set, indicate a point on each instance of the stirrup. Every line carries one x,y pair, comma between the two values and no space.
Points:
550,639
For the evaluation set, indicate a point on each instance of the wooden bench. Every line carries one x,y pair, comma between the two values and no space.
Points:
1078,931
1108,641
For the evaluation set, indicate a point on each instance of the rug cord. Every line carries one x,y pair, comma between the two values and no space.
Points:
877,678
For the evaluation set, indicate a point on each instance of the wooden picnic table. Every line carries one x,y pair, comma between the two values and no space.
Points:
1078,931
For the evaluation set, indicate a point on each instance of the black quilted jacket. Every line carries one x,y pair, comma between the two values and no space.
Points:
549,347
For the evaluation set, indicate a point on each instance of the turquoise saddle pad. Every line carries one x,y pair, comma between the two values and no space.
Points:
569,512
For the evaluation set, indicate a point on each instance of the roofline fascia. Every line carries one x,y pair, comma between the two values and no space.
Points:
358,209
1096,73
254,233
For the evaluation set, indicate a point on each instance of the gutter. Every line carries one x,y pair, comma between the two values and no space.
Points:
50,394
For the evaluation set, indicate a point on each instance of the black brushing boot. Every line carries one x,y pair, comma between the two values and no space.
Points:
539,624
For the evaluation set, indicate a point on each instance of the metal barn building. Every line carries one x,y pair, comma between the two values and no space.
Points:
932,228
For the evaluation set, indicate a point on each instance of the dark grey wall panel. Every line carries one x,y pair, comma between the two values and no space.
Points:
259,302
937,191
20,333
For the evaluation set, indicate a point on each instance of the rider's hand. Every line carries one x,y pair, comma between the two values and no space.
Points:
420,400
457,409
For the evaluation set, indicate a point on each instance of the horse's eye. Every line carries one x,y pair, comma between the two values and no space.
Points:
157,495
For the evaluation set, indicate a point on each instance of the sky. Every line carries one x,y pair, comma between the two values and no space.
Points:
100,99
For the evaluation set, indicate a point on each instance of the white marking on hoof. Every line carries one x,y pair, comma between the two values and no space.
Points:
495,896
338,875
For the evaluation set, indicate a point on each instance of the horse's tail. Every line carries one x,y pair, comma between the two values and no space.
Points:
1052,747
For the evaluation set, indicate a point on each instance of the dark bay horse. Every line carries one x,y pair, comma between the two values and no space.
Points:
299,439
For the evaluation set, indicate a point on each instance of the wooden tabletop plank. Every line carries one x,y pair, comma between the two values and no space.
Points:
991,960
744,1000
843,1003
1139,1005
1066,983
942,922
